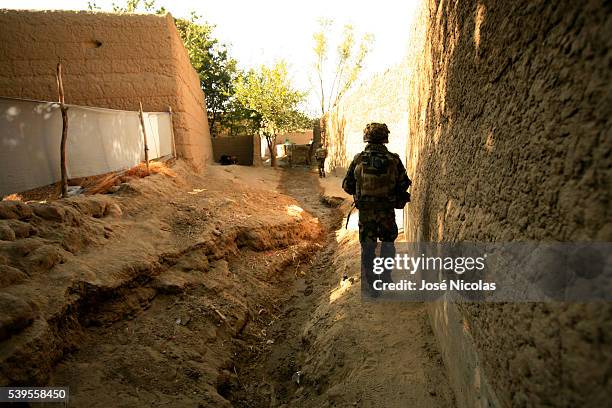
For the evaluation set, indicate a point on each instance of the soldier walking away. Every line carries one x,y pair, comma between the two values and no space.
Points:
321,155
378,182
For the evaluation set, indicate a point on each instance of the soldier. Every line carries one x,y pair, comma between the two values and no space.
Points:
320,155
377,180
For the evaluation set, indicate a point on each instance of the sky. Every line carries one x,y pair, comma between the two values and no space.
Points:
261,32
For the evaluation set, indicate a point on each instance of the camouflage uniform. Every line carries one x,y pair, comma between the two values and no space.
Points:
321,155
376,215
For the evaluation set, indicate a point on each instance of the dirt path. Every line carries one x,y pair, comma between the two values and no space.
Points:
268,374
173,340
330,348
233,316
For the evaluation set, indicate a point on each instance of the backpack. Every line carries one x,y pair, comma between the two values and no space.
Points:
376,176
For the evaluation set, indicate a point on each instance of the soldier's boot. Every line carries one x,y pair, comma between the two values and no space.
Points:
368,252
387,250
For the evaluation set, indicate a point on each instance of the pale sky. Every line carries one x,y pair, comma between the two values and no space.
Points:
260,32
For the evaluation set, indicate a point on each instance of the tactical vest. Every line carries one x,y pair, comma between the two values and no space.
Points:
376,177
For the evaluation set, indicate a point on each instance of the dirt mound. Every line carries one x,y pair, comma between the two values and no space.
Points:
74,263
329,348
226,289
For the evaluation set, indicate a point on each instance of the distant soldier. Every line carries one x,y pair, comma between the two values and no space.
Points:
321,155
378,182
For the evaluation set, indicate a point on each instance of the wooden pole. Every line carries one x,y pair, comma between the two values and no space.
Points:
64,110
172,132
144,135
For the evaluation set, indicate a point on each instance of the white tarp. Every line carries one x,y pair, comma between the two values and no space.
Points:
99,141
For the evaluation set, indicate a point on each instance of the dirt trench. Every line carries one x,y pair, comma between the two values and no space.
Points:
177,339
267,375
264,312
333,349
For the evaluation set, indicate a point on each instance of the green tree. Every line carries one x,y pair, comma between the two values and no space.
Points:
269,92
349,64
216,69
131,6
238,119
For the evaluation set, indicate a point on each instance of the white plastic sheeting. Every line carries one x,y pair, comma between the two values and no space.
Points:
99,141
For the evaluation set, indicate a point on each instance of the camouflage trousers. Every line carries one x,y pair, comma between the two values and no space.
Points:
321,163
375,224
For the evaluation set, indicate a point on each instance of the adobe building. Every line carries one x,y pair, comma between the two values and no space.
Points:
110,61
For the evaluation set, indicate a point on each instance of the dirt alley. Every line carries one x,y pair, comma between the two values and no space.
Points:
256,305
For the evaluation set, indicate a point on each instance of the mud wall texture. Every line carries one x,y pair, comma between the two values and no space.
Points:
509,140
239,146
505,111
109,60
296,137
382,99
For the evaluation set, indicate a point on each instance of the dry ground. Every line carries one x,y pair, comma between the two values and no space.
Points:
206,290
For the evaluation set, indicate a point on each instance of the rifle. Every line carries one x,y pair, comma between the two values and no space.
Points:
348,217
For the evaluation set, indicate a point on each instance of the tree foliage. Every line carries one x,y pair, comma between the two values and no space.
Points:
131,6
238,119
269,93
348,64
216,69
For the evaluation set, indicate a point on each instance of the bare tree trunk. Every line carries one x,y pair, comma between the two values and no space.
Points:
211,124
271,141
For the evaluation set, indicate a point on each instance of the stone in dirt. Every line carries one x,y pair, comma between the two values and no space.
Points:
49,212
14,210
170,283
95,206
21,229
113,210
6,232
16,315
11,276
46,257
21,248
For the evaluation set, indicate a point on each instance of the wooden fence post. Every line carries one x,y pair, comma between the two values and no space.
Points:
144,135
172,132
64,110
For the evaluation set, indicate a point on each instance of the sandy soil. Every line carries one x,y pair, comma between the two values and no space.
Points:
239,287
347,352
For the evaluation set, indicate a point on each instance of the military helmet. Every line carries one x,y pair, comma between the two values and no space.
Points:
376,133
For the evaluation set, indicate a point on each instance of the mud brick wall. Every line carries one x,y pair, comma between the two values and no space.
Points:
505,109
109,60
509,140
239,146
299,153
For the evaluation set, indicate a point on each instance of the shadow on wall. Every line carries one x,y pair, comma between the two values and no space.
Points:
508,116
99,141
122,146
241,146
19,150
